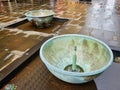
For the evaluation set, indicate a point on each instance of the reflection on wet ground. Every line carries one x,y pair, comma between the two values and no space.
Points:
13,44
98,19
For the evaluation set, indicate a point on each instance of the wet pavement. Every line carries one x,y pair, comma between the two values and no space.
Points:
100,19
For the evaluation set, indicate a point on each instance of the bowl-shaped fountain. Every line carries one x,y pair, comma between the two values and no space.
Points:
76,58
40,18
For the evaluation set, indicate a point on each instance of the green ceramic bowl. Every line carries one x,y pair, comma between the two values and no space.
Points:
93,55
40,18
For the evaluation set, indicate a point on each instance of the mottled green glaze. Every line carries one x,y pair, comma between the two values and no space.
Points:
93,56
41,22
40,18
